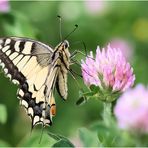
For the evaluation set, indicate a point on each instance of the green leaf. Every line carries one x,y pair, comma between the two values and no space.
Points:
54,136
3,112
97,126
63,143
4,144
61,140
108,135
88,138
34,139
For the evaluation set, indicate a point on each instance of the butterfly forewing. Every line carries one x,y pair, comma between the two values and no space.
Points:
36,68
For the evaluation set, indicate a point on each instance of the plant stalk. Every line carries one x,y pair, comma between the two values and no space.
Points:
107,113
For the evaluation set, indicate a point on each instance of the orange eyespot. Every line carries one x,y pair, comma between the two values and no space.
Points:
53,110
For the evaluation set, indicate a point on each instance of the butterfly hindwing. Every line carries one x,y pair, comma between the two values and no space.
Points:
26,62
36,68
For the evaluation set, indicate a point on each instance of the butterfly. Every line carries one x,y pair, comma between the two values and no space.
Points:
37,69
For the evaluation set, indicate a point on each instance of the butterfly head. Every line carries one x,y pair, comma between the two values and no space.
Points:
62,48
65,44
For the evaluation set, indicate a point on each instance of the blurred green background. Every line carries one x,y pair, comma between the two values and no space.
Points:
122,24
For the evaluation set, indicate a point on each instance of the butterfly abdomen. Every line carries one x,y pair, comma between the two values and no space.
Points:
64,61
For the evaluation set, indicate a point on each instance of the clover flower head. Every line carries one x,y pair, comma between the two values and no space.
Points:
131,110
108,70
4,6
96,7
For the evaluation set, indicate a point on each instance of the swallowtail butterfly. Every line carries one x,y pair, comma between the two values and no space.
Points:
36,68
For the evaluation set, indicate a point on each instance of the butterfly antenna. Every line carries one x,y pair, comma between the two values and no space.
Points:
60,26
76,26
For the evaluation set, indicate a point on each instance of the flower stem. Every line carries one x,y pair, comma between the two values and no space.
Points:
107,113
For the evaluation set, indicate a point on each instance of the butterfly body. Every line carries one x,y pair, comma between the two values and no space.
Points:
36,68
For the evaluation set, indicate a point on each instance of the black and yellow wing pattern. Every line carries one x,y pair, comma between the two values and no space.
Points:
36,68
